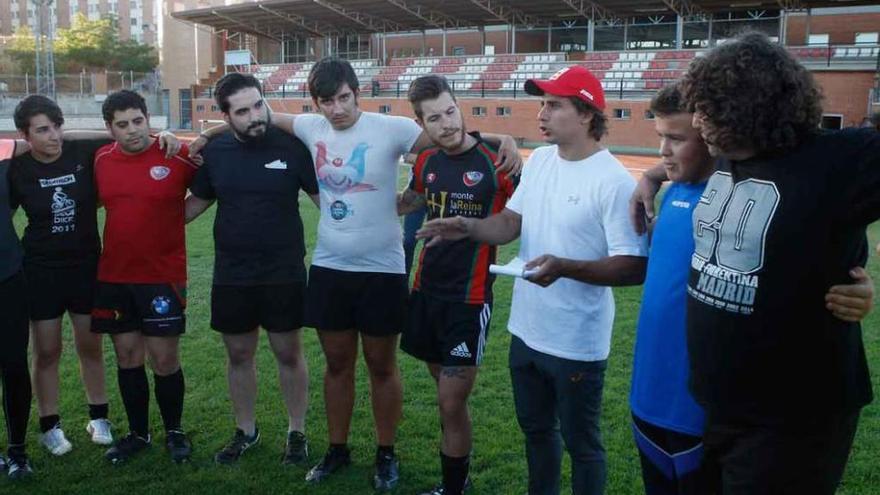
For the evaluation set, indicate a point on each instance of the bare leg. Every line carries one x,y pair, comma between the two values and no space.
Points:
241,375
340,350
90,351
293,376
380,353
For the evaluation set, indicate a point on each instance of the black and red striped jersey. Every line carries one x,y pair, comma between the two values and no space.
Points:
465,185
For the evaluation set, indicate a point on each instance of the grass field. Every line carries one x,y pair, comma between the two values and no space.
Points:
498,465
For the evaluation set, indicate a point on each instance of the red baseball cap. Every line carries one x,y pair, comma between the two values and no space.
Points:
574,80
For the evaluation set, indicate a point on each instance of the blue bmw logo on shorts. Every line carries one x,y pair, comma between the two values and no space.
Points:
161,305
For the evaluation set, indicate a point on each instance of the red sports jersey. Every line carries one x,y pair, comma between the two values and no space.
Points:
143,194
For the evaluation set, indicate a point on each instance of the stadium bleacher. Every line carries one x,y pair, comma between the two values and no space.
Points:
623,71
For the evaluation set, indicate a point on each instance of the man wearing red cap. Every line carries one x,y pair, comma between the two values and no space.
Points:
571,211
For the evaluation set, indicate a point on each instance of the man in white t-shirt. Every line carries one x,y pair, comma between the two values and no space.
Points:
357,286
570,211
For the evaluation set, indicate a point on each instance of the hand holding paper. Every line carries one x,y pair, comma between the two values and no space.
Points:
516,268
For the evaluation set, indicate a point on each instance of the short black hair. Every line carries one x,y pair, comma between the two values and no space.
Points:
35,105
668,101
427,88
328,74
599,124
232,83
121,101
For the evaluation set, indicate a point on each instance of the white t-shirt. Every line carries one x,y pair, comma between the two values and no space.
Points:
359,229
575,210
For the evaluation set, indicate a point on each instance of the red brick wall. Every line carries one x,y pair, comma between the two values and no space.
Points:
845,93
841,29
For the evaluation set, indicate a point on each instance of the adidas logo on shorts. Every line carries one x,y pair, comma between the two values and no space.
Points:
461,350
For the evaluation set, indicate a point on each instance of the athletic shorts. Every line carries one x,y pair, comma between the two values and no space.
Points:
444,332
52,291
371,303
672,462
155,310
241,308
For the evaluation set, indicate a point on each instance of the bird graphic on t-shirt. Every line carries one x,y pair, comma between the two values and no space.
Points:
340,176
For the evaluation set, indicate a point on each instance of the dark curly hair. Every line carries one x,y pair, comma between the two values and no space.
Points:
754,95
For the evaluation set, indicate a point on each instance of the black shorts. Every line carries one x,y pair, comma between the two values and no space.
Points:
372,303
444,332
52,291
155,310
242,308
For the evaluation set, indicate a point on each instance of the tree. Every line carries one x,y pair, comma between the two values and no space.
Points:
134,56
21,50
87,44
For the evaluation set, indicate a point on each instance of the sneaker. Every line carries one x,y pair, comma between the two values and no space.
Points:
3,465
18,467
334,460
441,490
55,441
127,447
237,446
296,451
178,446
387,472
99,429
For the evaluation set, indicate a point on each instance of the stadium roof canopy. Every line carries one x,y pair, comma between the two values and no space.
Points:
322,18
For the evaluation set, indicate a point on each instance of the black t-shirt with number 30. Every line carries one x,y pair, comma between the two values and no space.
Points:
60,203
771,235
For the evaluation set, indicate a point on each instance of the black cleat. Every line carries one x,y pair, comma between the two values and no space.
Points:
178,446
334,460
296,451
387,472
237,446
441,490
18,467
3,465
127,447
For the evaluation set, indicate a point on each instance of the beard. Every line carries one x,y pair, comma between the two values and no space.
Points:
246,134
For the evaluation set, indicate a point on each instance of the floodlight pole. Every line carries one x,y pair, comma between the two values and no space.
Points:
44,49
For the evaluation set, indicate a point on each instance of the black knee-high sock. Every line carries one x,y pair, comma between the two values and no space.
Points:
17,397
136,398
99,411
455,473
169,391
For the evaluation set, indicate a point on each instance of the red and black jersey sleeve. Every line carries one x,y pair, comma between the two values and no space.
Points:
417,182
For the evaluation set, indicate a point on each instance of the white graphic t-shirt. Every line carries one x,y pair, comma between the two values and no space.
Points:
357,170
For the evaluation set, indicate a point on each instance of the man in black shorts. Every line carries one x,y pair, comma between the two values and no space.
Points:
141,293
451,300
256,172
54,184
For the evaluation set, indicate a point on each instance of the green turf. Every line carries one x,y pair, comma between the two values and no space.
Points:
498,465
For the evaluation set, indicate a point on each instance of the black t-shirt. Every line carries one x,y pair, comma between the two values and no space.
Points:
60,202
464,185
258,232
10,248
771,236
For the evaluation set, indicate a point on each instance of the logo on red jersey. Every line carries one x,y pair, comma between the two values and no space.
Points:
472,178
431,177
159,172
